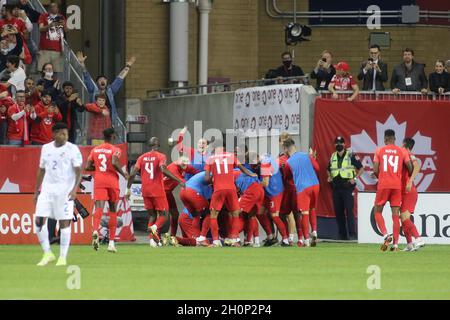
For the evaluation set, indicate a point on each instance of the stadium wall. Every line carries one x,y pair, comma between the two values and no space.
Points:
244,42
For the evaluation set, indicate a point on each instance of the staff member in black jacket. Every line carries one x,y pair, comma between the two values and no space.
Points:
343,169
373,72
439,80
409,75
69,104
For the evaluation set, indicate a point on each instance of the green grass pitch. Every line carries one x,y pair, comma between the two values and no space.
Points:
329,271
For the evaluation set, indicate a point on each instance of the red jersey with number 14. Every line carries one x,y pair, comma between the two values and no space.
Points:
221,166
151,175
105,175
391,159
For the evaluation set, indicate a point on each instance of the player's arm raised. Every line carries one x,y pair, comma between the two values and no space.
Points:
170,175
73,193
116,165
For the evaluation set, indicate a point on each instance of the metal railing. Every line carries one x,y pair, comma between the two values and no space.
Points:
224,86
387,95
73,72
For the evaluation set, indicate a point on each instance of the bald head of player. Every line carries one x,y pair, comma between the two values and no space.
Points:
109,135
153,143
389,137
60,133
289,146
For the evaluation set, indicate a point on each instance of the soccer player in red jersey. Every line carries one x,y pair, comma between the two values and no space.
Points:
219,169
152,168
178,169
388,167
409,200
104,160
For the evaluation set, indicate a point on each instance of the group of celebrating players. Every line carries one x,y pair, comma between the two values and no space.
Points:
221,196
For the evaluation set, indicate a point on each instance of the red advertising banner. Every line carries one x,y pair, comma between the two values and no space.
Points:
362,124
18,169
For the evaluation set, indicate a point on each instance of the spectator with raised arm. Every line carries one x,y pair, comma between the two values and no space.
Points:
101,85
11,44
373,72
439,80
344,81
324,71
409,75
17,78
52,26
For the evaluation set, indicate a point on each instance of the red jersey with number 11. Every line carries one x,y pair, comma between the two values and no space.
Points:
391,159
151,175
105,175
221,166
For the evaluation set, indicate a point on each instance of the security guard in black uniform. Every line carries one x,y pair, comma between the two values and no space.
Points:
344,167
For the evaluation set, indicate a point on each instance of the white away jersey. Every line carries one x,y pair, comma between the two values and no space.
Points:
59,166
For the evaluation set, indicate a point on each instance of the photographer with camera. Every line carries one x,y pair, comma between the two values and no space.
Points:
373,71
324,71
52,26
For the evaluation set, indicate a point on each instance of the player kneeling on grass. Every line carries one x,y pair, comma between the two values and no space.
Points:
152,168
409,200
60,174
104,160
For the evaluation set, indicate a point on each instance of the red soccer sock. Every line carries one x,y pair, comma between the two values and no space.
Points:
281,226
305,226
205,226
188,242
407,230
380,223
396,227
248,230
235,227
173,225
196,226
265,223
112,225
98,213
160,221
298,223
313,219
214,228
413,230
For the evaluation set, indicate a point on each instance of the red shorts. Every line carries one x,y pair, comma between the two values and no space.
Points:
273,204
156,203
252,199
106,194
193,201
409,201
228,198
185,223
171,201
394,196
308,198
289,201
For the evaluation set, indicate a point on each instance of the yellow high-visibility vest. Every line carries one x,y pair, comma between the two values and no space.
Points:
346,171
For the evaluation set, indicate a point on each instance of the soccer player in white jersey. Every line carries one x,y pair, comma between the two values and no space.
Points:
60,174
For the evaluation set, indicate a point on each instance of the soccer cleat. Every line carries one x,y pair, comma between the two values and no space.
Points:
409,247
236,244
203,243
284,244
247,244
394,248
270,242
215,244
307,243
112,248
291,243
228,242
387,240
152,242
313,239
418,244
256,245
46,258
154,232
61,262
165,239
95,242
300,244
174,242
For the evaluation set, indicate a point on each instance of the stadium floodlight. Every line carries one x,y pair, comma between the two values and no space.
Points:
295,32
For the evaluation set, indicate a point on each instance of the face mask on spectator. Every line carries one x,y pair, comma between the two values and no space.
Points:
287,63
49,74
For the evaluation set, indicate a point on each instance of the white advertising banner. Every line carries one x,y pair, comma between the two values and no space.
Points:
268,110
431,217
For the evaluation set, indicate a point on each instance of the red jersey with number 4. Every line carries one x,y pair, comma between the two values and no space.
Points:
391,159
105,175
406,175
151,175
221,166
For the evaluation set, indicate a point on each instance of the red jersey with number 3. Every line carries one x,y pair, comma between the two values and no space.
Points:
105,175
391,159
151,175
221,166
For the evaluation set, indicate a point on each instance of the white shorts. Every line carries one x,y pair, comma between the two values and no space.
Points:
57,207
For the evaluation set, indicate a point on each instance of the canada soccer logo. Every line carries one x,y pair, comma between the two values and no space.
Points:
363,145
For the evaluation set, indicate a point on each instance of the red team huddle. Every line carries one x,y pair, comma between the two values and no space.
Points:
223,197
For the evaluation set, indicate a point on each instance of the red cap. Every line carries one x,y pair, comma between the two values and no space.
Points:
342,65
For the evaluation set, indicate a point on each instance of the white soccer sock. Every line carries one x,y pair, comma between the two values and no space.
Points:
291,237
111,243
201,238
43,238
256,240
64,241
